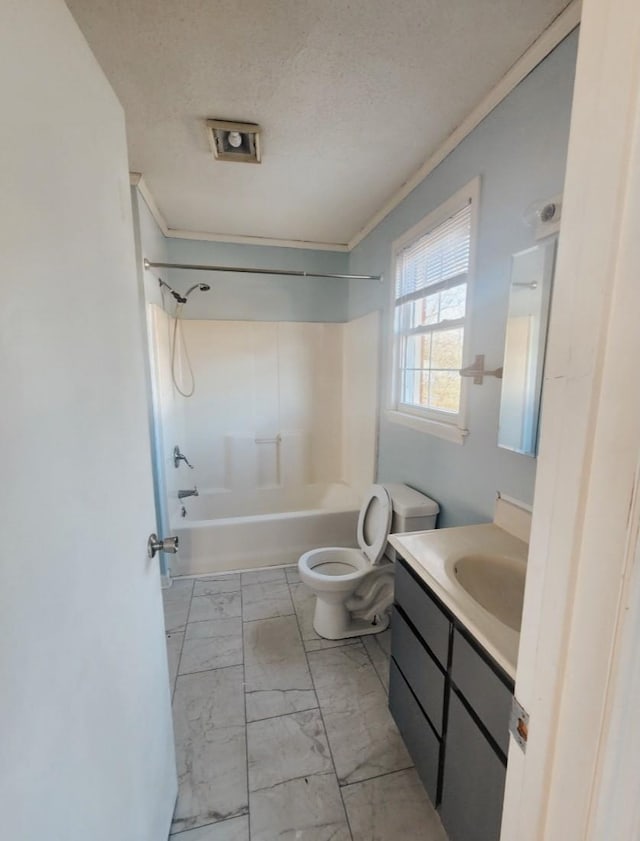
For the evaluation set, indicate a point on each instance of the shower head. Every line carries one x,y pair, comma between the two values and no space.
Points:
203,287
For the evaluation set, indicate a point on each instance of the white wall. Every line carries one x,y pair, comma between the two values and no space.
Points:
86,748
360,387
314,385
256,380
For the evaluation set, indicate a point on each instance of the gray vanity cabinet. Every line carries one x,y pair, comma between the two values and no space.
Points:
473,780
487,693
451,703
420,738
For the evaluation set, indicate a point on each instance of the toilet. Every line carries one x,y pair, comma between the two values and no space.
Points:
354,587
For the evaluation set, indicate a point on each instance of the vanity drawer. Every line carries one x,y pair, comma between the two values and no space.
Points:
428,619
483,689
419,670
422,743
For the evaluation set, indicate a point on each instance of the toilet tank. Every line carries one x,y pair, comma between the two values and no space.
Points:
412,511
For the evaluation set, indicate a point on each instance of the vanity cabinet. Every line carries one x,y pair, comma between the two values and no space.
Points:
451,703
473,779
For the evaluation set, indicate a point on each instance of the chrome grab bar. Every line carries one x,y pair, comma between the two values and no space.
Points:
276,440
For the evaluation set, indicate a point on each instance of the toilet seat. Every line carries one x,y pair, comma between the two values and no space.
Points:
374,523
334,565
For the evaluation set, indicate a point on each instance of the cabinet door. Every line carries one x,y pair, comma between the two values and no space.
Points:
420,739
473,780
481,687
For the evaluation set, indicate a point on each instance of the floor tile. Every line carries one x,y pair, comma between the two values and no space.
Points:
292,575
180,588
211,644
176,613
304,602
309,808
277,678
392,807
363,737
261,576
379,648
265,600
174,647
219,584
320,644
235,829
220,606
177,599
294,793
285,748
208,711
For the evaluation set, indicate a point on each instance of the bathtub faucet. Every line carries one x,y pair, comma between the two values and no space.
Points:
184,494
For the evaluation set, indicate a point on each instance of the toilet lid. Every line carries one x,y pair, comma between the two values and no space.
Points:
374,522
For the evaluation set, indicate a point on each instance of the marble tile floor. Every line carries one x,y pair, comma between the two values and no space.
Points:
281,735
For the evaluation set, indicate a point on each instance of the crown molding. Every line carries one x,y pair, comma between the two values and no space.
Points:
563,24
136,179
309,245
558,30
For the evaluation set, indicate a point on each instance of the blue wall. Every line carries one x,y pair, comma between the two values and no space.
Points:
519,151
260,297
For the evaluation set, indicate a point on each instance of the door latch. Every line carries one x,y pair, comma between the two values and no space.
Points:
161,544
519,723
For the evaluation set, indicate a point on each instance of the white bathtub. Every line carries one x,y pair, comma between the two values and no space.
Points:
227,530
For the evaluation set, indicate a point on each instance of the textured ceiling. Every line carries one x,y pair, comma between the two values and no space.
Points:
352,96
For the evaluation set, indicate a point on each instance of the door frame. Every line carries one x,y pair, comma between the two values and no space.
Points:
578,644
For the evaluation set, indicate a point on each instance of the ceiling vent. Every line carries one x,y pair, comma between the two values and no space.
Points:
234,141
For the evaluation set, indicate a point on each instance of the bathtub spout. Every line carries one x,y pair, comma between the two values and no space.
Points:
185,494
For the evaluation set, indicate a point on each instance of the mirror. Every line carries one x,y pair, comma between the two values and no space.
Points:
529,300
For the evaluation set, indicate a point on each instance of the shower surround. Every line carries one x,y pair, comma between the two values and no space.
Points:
281,431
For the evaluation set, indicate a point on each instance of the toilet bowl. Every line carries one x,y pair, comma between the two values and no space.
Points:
353,587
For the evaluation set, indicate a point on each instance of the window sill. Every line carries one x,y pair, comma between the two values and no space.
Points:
447,431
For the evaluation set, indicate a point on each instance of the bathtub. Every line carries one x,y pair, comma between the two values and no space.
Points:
229,530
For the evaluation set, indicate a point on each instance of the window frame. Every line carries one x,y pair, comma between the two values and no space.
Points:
451,427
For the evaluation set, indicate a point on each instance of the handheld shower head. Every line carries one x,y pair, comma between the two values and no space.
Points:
179,298
182,299
203,287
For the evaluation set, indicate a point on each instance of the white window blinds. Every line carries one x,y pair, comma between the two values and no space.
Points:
431,274
439,258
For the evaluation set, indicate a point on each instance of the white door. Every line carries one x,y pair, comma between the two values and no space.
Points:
86,748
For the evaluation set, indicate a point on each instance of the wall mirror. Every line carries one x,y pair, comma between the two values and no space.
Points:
529,301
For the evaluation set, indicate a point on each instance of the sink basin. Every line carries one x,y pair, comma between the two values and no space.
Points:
496,583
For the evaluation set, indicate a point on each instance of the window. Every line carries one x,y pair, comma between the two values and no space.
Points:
432,268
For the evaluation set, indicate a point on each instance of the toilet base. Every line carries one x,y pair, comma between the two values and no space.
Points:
335,622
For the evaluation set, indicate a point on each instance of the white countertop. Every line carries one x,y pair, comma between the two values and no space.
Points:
432,553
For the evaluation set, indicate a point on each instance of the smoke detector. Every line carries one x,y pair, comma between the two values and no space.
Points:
231,141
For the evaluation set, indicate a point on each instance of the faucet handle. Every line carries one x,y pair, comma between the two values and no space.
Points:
178,457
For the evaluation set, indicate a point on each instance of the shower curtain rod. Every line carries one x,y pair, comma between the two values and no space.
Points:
244,270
